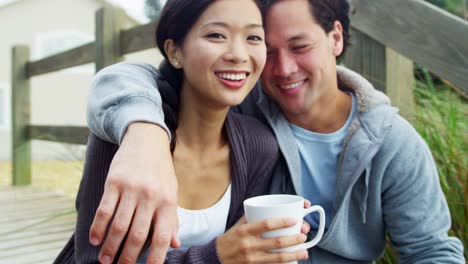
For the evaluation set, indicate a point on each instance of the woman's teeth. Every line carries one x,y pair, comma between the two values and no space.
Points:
232,76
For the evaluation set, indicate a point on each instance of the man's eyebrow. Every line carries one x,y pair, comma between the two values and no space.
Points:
225,25
291,39
296,37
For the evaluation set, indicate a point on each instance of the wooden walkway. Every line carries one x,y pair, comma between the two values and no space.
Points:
34,225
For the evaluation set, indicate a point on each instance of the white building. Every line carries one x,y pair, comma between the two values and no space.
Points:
59,98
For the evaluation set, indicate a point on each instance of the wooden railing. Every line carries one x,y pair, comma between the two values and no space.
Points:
382,31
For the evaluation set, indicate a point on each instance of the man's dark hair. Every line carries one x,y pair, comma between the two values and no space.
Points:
325,12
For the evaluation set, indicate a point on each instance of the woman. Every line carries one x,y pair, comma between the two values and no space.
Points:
213,57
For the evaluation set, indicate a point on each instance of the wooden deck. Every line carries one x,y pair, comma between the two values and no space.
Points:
34,225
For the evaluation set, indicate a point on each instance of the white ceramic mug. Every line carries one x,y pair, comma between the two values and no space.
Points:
280,206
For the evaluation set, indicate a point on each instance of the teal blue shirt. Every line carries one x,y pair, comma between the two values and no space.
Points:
319,155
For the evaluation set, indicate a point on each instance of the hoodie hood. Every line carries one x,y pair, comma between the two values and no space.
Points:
367,96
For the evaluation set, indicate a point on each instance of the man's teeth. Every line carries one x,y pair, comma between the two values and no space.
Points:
292,85
232,76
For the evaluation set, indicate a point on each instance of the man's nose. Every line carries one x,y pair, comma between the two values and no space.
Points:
285,65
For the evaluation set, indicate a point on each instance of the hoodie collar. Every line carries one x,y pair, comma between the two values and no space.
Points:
372,123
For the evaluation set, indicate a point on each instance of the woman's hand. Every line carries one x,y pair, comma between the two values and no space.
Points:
243,244
141,186
305,226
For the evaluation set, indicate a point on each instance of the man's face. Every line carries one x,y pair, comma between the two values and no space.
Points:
301,58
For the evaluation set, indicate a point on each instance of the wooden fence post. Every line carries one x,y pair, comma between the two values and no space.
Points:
400,82
108,26
387,70
21,109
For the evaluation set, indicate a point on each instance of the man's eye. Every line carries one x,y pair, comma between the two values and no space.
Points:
216,36
299,47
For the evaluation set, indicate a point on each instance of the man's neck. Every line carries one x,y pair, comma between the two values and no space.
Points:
327,115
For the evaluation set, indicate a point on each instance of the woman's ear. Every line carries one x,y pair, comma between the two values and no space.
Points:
173,53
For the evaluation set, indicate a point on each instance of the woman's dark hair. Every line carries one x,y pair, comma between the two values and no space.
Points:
176,20
325,12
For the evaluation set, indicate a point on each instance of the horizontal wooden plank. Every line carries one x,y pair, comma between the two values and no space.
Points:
138,38
39,239
50,228
64,134
74,57
420,31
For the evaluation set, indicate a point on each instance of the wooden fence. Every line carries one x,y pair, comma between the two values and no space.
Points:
382,31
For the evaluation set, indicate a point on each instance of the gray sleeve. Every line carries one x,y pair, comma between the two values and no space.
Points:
120,95
416,213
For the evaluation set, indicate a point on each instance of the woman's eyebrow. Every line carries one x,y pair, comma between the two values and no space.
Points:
226,25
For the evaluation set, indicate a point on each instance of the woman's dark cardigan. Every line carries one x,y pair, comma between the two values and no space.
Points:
253,154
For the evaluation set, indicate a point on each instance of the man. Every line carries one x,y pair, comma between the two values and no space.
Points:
344,147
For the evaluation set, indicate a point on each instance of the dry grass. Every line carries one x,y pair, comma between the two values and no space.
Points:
52,175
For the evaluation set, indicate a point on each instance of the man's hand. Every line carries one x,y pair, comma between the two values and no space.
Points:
141,187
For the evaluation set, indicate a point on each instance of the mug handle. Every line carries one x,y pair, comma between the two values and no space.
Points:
318,236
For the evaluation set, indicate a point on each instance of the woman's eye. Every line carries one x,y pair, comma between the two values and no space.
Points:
255,38
216,36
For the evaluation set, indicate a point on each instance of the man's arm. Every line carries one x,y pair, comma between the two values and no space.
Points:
125,108
416,213
127,92
120,95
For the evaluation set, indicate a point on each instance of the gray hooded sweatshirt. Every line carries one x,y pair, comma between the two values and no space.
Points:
387,182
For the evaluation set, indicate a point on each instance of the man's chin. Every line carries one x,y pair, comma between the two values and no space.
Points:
291,109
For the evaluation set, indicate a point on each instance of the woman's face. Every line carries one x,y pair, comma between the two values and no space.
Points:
224,53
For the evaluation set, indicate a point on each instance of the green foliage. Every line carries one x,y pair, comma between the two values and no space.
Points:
458,7
441,121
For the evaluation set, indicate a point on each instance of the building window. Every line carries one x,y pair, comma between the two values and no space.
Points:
50,43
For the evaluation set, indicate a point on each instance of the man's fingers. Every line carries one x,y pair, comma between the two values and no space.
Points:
103,215
138,233
175,242
119,227
163,229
